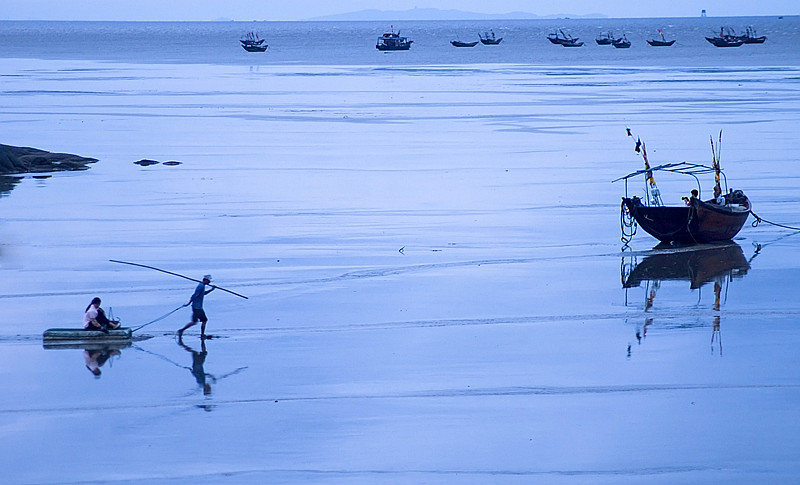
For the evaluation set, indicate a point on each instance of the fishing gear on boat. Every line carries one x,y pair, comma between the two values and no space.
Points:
627,225
178,275
653,192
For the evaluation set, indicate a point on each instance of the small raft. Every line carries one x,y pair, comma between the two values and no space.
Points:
73,335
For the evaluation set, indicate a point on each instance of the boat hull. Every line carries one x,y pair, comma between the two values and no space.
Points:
491,41
721,42
700,222
661,43
463,44
53,335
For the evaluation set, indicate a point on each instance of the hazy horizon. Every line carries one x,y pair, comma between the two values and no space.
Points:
301,10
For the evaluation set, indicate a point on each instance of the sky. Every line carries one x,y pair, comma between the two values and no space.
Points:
304,9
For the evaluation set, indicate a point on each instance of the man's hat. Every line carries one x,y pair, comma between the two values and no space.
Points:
207,277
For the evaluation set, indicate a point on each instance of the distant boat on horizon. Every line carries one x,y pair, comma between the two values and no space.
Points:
726,39
662,42
604,38
251,42
621,42
559,37
488,38
391,41
458,43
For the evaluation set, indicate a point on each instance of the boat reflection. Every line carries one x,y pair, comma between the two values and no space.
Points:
699,265
95,354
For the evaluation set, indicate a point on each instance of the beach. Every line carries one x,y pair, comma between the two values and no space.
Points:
432,262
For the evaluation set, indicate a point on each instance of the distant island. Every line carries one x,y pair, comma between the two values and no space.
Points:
438,14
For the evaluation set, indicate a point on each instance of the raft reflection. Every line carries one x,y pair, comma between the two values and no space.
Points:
699,265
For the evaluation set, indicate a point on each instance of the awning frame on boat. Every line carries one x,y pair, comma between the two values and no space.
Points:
684,168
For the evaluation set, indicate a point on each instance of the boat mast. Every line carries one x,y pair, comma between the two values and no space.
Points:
715,157
653,192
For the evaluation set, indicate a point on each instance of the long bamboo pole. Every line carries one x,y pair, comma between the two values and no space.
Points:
178,275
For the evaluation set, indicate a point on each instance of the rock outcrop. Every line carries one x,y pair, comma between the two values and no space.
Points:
18,160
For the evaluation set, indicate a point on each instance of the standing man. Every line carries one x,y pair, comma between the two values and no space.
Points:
197,306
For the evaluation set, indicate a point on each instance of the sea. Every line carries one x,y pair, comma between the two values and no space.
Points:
352,43
431,277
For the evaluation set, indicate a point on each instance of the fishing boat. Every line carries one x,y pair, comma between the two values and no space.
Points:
559,37
719,218
488,38
726,39
604,38
661,41
750,37
458,43
252,43
391,41
75,336
621,43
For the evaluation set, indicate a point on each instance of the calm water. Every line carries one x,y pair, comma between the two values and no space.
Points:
352,43
430,245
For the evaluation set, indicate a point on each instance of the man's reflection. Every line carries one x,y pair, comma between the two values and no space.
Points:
95,358
198,360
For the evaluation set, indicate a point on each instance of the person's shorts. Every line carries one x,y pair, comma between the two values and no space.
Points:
199,314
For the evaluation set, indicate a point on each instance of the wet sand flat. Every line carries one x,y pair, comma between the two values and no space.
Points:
434,273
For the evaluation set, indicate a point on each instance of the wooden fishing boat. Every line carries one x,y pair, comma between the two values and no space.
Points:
725,41
604,39
391,41
458,43
621,43
252,43
559,37
488,38
726,38
662,41
73,335
697,221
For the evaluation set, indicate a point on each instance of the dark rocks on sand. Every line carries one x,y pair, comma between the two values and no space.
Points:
147,162
17,160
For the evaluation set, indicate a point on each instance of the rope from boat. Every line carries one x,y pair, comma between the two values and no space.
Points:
627,225
759,220
689,218
157,319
